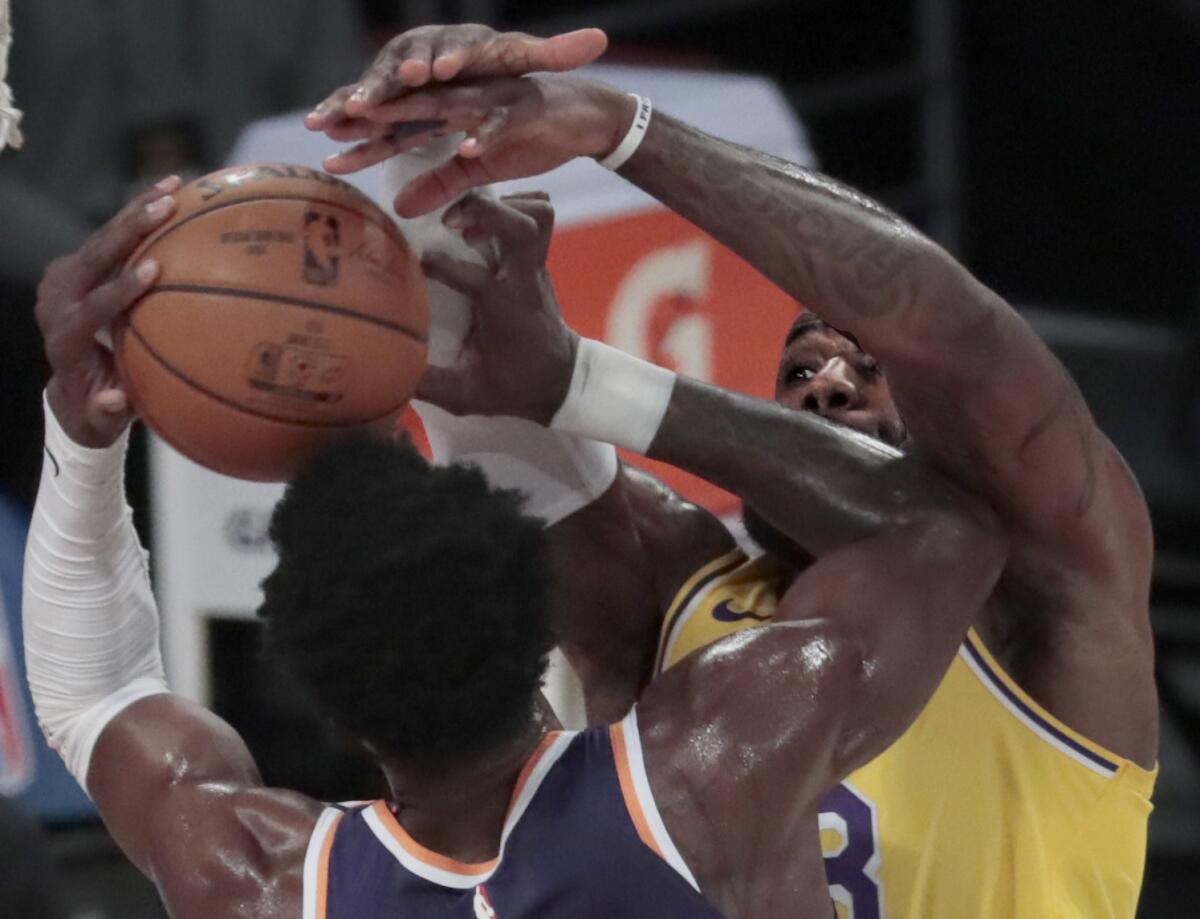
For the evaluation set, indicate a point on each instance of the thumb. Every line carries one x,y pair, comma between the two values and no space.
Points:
571,50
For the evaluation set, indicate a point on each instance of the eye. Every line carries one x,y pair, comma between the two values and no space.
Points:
869,367
798,373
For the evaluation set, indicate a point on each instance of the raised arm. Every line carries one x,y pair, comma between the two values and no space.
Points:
175,785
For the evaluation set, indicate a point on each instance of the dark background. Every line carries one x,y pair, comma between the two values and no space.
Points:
1052,146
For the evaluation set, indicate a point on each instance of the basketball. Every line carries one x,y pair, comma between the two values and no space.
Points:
288,310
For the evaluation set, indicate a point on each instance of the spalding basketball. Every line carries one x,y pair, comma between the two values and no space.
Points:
288,310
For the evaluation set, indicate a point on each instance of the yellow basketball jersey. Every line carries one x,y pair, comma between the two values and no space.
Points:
988,807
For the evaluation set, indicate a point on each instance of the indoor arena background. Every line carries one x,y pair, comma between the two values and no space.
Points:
1052,146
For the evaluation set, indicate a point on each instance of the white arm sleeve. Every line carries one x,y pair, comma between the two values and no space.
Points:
91,625
559,473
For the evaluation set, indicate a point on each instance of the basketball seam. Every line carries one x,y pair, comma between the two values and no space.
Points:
387,226
246,294
226,401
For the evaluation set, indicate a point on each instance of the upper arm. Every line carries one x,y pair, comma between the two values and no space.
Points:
181,795
617,563
782,713
985,397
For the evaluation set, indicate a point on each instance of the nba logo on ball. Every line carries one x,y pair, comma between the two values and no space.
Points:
483,906
322,240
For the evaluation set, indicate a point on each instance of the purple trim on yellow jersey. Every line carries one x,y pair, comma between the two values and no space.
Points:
701,580
979,659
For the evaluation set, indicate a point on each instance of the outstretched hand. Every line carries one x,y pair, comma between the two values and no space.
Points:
81,294
443,53
515,128
519,354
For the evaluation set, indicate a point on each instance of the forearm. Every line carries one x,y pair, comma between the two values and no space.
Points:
858,266
822,485
90,623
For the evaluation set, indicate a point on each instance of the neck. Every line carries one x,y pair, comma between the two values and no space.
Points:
459,812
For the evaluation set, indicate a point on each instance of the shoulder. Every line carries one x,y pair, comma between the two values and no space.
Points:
679,535
246,856
742,739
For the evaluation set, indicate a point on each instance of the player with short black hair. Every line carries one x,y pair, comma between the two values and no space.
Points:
338,589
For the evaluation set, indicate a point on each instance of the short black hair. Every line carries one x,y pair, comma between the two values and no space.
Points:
410,602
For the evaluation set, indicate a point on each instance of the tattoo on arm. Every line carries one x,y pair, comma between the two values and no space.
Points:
827,245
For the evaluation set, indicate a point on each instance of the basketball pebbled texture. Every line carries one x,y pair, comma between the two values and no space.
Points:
288,310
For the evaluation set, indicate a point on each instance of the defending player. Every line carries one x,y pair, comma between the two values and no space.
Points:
410,603
1024,787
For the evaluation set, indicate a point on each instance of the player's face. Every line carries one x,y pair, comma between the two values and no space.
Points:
823,371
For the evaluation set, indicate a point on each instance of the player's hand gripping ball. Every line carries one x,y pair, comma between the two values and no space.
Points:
288,310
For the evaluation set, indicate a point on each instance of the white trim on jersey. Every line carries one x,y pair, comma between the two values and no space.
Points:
456,879
312,859
703,592
997,692
641,785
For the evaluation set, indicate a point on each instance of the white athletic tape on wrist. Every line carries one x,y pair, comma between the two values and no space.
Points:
615,397
558,473
633,139
90,623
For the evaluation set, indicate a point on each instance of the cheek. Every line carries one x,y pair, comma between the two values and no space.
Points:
879,402
792,398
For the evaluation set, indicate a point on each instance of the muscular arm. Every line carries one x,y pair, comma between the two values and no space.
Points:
1014,410
744,738
982,396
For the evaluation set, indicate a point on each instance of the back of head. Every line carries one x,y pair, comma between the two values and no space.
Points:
409,602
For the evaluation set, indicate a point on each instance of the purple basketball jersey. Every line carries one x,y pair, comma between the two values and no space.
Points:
583,839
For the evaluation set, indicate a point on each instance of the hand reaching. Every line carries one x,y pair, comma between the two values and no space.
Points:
82,293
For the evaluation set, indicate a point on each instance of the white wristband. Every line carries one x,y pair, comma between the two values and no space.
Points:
637,133
614,397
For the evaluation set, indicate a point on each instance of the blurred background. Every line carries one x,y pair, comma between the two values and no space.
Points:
1051,146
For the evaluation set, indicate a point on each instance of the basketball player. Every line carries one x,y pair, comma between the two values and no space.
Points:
1024,787
410,603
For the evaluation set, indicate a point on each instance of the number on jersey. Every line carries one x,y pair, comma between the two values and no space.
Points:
850,841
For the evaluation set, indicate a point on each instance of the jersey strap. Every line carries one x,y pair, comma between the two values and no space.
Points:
316,863
688,599
1043,724
639,799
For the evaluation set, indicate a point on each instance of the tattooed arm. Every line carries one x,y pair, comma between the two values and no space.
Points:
981,394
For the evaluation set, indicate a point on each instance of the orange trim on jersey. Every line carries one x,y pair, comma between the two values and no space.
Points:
442,862
323,867
632,803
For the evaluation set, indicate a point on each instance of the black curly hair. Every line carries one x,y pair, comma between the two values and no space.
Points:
409,602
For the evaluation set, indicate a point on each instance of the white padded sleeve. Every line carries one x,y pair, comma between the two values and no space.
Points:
559,473
90,622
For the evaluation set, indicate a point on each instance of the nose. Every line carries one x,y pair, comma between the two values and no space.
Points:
831,389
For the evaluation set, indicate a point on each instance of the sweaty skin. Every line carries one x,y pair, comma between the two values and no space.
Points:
858,645
975,391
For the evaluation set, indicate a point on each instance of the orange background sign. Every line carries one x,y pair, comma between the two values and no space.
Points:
655,286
